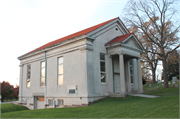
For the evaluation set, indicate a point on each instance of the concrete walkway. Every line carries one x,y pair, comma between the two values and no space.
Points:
9,102
144,95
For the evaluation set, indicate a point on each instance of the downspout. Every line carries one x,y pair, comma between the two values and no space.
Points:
45,78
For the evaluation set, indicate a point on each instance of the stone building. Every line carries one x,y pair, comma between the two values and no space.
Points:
100,61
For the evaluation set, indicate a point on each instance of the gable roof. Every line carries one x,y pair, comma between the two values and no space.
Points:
119,38
83,32
123,38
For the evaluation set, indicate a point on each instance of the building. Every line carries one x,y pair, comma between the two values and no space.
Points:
100,61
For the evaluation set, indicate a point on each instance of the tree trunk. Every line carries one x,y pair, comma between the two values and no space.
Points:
2,99
153,74
165,73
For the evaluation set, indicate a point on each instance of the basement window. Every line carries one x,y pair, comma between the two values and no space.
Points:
50,102
60,102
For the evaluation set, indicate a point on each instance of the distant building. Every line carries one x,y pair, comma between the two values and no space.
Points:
100,61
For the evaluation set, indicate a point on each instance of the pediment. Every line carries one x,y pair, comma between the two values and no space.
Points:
132,42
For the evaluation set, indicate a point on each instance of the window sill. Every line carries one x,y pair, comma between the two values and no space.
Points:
103,83
60,85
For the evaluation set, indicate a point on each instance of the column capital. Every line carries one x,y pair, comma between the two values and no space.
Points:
21,65
121,53
138,58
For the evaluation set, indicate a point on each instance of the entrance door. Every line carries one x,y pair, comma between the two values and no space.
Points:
116,73
116,83
39,103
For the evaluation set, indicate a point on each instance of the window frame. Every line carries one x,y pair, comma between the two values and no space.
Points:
103,72
28,72
41,73
58,71
50,100
62,102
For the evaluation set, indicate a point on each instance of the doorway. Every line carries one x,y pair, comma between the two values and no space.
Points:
39,102
116,74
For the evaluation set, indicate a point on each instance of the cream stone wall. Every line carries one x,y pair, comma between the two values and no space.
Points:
81,68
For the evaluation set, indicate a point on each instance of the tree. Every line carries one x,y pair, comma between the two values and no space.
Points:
173,65
16,92
161,32
149,60
6,90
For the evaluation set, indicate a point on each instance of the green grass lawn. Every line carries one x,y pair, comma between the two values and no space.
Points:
9,107
166,106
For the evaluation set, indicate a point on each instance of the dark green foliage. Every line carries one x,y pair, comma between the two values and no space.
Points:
173,65
6,91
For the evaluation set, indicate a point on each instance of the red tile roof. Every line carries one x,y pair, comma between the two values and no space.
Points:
120,38
85,31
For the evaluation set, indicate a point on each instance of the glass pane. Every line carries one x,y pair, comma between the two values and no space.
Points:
132,79
131,62
43,72
60,80
29,75
131,70
103,77
28,83
42,81
61,60
60,69
42,64
102,57
103,66
28,67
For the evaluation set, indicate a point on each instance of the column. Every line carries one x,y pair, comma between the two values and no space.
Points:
110,74
20,83
140,87
122,77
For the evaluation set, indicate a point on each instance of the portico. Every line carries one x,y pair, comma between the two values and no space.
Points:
124,72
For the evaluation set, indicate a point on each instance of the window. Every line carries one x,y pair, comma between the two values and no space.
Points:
131,70
102,67
50,102
60,102
28,75
42,74
60,71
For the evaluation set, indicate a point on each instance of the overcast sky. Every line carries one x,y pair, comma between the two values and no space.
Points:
29,24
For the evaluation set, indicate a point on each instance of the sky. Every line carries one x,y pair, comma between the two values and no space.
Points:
28,24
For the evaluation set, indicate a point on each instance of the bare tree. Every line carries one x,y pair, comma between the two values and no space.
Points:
163,30
149,60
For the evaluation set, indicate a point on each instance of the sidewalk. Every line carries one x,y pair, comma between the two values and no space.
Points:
144,95
9,102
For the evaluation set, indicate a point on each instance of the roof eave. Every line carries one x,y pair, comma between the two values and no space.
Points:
55,46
